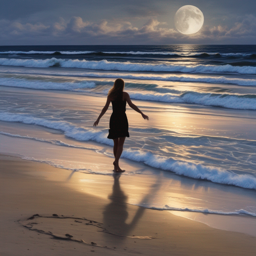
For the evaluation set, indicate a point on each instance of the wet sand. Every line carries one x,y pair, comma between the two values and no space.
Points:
72,221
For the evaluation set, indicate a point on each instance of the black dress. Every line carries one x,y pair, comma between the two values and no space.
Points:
118,123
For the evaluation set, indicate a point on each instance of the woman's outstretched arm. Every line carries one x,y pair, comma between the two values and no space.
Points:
133,106
103,111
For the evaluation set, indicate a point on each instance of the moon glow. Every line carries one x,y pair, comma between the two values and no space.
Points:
189,19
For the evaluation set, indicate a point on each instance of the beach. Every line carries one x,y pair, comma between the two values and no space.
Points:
189,182
34,188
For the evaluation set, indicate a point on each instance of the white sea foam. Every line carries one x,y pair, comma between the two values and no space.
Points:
183,54
210,80
44,85
205,211
126,66
47,52
221,100
231,101
46,161
196,171
55,163
156,97
174,78
53,142
58,165
70,130
76,52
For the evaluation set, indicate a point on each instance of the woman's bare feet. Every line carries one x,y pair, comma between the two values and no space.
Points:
114,163
117,168
120,170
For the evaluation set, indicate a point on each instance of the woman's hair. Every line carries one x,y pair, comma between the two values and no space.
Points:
117,88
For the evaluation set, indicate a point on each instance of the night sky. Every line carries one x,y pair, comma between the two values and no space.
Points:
37,22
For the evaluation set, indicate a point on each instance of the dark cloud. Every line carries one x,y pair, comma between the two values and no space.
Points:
79,31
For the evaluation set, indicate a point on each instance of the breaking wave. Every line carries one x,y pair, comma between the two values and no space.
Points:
210,80
126,66
195,171
155,77
243,102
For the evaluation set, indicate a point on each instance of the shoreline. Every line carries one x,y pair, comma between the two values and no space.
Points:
153,189
34,188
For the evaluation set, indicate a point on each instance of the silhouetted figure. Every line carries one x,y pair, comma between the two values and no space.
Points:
118,122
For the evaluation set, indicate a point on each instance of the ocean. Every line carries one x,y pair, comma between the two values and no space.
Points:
201,101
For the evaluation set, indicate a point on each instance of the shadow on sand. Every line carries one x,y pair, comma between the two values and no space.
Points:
115,214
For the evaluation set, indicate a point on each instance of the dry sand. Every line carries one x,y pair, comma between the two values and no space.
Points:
98,226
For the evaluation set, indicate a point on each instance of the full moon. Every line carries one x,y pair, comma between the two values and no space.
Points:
189,19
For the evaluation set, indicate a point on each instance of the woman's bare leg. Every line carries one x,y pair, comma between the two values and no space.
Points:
119,153
115,147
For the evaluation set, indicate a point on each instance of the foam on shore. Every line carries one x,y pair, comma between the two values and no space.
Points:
204,211
187,169
45,85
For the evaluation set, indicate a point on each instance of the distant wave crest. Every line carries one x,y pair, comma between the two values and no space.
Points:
126,66
147,53
156,77
46,52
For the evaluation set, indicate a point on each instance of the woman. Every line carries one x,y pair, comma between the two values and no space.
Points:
118,121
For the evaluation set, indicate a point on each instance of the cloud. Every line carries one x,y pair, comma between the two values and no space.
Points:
78,31
243,30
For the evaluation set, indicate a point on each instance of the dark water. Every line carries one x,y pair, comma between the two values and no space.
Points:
235,55
215,81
